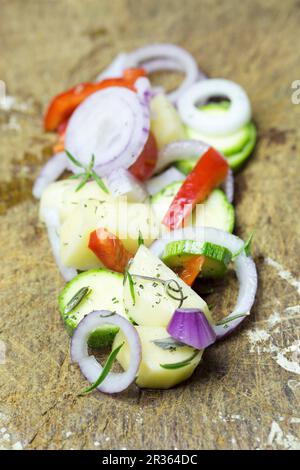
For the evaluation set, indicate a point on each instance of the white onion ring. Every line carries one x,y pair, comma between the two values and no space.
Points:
180,150
244,267
122,183
156,65
49,173
115,69
52,222
111,124
167,51
238,114
171,175
228,186
90,367
186,150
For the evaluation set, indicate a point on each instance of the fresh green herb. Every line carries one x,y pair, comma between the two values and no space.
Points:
105,371
171,286
228,320
88,173
76,299
178,365
246,247
110,314
168,344
131,287
140,239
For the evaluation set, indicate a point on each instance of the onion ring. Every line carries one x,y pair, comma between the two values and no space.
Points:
90,367
238,114
244,267
49,173
111,124
167,51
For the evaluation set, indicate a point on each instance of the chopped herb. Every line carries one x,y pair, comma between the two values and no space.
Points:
76,299
168,344
178,365
246,247
168,287
110,314
228,320
88,173
131,287
140,239
105,371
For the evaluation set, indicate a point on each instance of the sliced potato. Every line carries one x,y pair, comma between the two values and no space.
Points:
151,305
151,374
63,197
123,219
166,124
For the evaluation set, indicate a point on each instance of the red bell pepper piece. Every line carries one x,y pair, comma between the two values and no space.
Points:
191,269
208,173
143,167
109,249
63,105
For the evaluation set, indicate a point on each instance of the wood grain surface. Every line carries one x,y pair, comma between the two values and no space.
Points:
245,394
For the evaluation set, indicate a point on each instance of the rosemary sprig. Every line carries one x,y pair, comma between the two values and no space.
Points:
105,371
168,344
140,239
128,276
246,247
88,173
169,289
178,365
76,299
228,320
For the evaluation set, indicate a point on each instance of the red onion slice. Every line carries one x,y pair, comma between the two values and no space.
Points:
244,267
171,175
49,173
90,367
190,326
238,114
167,52
122,183
52,222
111,124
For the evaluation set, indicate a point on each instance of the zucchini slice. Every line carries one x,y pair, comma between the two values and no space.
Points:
217,258
215,212
105,292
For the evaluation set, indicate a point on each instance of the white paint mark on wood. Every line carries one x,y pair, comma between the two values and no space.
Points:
284,273
277,438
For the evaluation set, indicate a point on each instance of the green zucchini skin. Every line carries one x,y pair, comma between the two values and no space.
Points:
236,147
217,207
106,293
217,258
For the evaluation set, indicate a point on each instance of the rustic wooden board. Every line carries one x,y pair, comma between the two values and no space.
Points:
245,394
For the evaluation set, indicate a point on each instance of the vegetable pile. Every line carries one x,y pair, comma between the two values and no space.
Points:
146,215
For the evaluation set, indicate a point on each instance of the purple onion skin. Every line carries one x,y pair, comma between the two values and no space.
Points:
191,327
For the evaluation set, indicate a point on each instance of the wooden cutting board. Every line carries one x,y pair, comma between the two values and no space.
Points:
245,394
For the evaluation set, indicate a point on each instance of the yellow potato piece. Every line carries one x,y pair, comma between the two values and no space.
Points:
125,220
63,197
166,124
152,306
151,374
